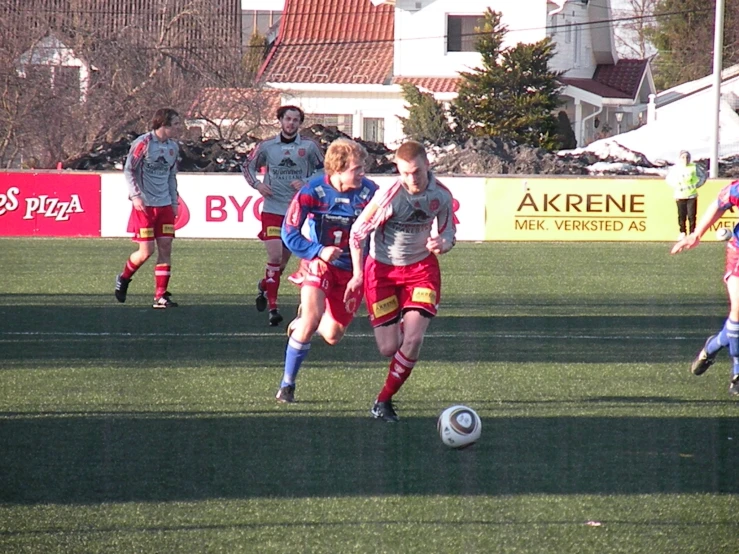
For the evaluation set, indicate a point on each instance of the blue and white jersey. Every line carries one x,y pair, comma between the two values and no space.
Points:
330,216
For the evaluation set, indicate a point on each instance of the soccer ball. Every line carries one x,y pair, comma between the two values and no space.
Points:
459,426
723,233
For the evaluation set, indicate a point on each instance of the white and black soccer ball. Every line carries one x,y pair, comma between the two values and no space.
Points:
459,426
723,233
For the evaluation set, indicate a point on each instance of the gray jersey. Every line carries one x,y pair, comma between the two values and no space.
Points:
285,162
151,170
402,222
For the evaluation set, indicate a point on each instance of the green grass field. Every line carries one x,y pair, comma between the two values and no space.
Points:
124,429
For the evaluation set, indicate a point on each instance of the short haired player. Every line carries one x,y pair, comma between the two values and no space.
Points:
151,175
401,276
729,334
330,204
290,160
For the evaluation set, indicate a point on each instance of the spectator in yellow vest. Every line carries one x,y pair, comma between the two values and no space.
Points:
686,178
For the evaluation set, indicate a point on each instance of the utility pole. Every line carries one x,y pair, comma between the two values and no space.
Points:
718,47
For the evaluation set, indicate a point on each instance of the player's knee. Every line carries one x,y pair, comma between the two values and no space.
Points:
333,339
388,349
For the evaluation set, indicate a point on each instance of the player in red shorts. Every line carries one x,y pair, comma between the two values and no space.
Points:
330,204
289,160
401,277
729,334
151,176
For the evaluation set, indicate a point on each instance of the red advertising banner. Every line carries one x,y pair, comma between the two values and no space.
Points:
50,204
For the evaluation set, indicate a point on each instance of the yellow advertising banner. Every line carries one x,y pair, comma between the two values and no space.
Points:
589,209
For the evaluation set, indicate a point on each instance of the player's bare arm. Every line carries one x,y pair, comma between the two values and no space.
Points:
330,253
138,203
711,216
438,245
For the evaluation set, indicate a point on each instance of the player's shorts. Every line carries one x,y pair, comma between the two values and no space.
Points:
152,223
271,226
390,290
732,260
332,281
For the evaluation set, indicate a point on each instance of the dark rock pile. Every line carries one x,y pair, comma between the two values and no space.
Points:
211,155
478,156
494,156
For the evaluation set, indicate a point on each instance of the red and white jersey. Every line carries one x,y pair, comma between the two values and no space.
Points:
286,161
151,170
402,222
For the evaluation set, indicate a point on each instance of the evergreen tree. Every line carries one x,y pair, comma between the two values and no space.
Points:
683,33
254,55
427,120
514,94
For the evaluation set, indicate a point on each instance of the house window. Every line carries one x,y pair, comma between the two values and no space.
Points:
342,122
461,33
258,21
373,129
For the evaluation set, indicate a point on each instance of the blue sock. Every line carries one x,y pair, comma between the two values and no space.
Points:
721,340
732,334
295,353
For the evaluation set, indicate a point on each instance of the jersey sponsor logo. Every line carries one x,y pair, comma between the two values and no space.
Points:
418,215
385,306
146,233
426,296
273,231
287,162
168,229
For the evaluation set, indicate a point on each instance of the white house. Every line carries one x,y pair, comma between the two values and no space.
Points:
343,61
60,64
682,118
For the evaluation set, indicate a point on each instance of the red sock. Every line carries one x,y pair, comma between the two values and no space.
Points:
129,269
271,284
162,273
400,370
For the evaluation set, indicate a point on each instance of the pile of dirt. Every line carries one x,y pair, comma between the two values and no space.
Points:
478,156
494,156
212,155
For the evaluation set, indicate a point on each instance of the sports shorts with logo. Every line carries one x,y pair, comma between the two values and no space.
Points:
332,281
151,223
271,226
389,290
732,260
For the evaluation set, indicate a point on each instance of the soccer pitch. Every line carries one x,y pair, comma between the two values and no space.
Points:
126,429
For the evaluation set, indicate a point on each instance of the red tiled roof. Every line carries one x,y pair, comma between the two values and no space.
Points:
234,103
431,84
332,41
620,80
625,75
595,87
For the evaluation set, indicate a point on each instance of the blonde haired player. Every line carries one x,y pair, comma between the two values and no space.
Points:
401,277
330,204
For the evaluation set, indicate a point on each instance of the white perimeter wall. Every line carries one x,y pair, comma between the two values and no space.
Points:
224,206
